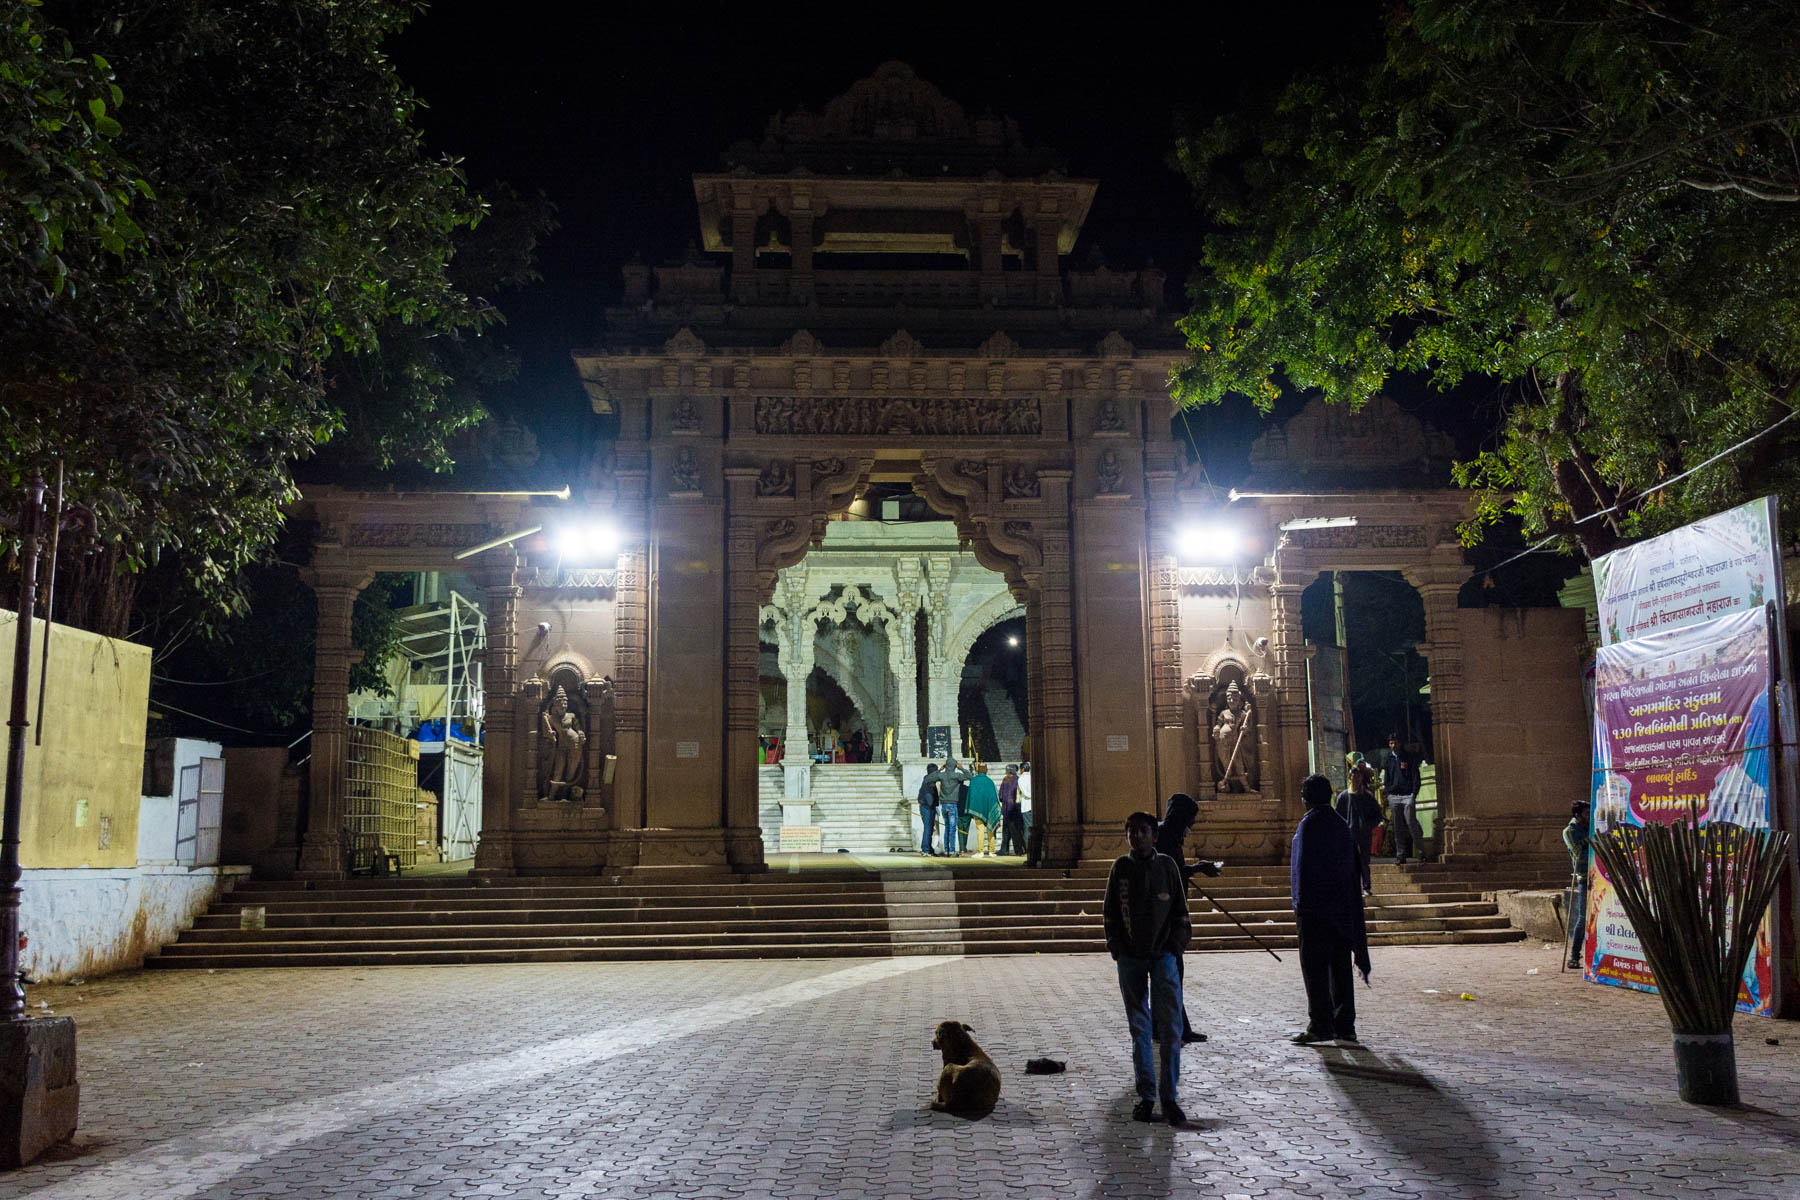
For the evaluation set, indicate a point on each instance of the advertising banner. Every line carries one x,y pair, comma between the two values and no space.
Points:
1713,567
1681,726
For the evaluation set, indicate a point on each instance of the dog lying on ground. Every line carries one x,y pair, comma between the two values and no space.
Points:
969,1082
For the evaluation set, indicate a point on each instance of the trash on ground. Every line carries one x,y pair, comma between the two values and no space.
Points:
1045,1066
1429,991
1466,996
1771,1041
1533,971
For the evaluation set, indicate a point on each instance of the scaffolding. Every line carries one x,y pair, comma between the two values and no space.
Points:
441,639
381,801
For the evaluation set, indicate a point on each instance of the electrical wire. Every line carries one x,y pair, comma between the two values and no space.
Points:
221,724
217,682
1674,479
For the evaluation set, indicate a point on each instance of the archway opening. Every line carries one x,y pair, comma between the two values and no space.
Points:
1366,678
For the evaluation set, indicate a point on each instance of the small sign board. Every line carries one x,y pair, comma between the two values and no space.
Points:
687,749
802,839
1118,741
938,744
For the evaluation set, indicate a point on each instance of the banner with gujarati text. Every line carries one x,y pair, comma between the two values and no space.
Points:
1681,723
1716,566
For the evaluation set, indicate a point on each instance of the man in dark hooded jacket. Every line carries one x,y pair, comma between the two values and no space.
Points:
1171,838
1328,908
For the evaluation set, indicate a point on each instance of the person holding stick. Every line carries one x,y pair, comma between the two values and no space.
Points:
1329,913
1171,836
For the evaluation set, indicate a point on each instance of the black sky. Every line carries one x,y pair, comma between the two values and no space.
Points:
608,111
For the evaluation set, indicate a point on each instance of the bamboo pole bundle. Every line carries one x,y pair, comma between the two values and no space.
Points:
1695,894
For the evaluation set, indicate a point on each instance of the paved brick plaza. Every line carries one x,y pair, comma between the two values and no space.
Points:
811,1078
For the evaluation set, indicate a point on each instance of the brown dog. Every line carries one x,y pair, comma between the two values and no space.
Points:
969,1082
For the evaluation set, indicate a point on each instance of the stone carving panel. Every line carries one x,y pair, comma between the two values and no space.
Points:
1362,537
874,416
401,535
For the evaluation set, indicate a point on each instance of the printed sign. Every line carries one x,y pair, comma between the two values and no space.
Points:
687,749
937,742
1681,726
801,839
1118,741
1714,567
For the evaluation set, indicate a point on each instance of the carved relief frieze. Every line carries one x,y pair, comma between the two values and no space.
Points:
395,536
590,578
874,416
1362,537
1211,577
687,416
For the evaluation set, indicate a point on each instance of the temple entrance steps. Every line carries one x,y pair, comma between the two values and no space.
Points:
815,912
859,807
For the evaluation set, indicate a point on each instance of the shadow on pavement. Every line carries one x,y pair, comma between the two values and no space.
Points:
1399,1104
1005,1114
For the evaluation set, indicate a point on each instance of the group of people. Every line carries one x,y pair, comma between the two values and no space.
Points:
971,807
1148,929
1364,809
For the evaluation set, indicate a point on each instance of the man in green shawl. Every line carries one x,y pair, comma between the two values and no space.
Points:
983,812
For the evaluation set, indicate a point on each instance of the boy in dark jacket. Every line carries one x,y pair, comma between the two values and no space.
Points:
1147,928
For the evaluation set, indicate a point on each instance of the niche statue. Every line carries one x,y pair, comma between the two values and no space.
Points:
1234,741
562,761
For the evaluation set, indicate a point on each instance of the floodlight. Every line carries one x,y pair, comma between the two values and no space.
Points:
1208,543
590,542
1012,640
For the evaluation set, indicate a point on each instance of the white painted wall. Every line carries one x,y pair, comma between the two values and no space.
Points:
81,921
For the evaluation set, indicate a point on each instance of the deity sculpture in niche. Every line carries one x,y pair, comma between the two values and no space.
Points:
562,743
1236,760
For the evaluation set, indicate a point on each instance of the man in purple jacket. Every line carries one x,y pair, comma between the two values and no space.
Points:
1328,909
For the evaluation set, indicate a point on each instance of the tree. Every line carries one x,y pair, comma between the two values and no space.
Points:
1594,205
259,221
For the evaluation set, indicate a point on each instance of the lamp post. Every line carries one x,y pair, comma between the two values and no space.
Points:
12,993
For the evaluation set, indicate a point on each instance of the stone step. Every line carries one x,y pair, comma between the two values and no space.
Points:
666,952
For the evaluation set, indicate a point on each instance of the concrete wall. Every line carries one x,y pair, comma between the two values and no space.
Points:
1528,748
82,783
90,922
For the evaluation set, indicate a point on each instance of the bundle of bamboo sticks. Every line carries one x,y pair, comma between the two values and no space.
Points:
1695,894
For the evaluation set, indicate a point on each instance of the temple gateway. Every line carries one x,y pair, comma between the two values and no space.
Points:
875,417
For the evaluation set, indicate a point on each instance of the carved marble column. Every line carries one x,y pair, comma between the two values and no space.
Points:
631,655
797,760
335,582
743,250
904,667
1167,709
1443,652
943,678
800,222
500,685
1049,269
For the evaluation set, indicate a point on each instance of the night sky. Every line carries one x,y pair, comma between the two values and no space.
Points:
608,115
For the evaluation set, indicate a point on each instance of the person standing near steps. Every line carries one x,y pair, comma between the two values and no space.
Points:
1329,913
1147,928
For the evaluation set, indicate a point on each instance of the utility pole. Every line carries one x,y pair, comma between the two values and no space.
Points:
39,1092
12,993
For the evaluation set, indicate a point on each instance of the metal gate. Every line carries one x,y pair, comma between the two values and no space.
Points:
462,799
200,801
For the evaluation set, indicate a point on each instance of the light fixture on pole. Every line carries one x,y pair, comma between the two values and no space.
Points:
1208,542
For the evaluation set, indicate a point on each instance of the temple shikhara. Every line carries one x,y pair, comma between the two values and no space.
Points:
878,414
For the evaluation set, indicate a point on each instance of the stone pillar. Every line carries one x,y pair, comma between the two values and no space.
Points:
743,246
1055,754
631,658
335,582
685,742
943,678
500,685
1292,725
743,819
800,223
984,217
1168,712
1444,652
1049,268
